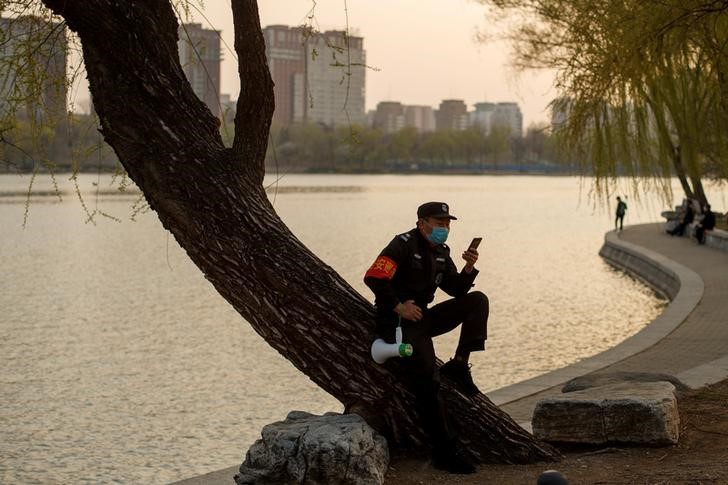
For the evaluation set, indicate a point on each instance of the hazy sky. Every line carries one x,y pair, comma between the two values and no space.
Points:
425,50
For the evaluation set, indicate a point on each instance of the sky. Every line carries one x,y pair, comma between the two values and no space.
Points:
424,51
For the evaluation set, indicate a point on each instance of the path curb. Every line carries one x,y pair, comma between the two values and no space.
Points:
677,282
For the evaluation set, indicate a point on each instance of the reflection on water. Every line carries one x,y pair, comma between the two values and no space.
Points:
121,363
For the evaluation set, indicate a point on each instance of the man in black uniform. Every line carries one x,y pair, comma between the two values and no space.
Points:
404,278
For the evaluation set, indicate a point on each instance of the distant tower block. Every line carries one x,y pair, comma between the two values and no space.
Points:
200,56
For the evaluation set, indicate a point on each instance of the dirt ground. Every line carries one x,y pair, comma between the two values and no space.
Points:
700,457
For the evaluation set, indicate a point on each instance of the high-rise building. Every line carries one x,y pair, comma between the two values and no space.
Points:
560,108
452,115
33,68
286,61
420,117
318,77
509,115
482,117
335,79
389,116
200,56
392,116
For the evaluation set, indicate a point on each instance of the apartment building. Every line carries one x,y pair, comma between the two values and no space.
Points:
37,87
200,57
318,77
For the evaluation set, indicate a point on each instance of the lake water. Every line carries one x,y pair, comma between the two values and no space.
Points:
120,363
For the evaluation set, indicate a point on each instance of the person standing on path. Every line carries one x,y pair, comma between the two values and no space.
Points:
404,278
621,209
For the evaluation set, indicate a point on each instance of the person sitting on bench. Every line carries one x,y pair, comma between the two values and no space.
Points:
706,224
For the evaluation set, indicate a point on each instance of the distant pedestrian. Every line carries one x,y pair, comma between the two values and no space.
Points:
621,209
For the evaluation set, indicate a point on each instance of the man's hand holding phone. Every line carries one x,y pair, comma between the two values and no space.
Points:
471,254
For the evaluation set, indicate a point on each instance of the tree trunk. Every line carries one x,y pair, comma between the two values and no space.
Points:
212,200
694,192
698,190
680,172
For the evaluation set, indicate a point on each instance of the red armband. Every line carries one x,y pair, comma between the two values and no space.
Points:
383,269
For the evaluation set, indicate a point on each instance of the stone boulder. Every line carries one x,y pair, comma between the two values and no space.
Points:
305,448
596,380
643,413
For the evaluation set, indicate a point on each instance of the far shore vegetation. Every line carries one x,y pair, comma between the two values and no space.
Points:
76,145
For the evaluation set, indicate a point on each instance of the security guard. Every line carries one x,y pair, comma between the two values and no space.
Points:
404,278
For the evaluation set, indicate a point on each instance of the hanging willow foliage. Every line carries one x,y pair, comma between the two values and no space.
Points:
642,84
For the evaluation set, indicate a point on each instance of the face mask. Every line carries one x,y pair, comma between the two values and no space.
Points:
438,235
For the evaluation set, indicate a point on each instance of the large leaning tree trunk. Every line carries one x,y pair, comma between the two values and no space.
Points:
212,200
694,192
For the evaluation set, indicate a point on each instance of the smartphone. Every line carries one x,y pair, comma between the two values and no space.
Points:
475,243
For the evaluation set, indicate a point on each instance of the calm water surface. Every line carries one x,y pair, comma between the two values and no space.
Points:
120,363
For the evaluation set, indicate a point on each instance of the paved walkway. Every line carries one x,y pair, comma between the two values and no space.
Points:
690,340
696,351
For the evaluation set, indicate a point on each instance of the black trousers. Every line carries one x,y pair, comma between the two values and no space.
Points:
679,230
700,233
470,311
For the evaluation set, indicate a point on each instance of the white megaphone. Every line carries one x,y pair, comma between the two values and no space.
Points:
381,350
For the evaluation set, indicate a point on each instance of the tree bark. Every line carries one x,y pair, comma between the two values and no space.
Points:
698,190
680,172
213,202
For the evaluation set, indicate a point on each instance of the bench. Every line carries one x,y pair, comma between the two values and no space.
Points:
715,238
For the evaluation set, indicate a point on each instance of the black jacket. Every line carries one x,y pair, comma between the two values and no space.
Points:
409,268
708,221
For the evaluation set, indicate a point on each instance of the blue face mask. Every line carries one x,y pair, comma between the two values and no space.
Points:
438,235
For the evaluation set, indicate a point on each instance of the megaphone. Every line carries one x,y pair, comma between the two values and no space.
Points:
381,350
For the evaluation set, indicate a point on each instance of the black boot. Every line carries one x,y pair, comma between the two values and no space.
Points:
459,373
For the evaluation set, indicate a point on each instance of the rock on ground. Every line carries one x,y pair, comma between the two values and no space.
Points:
641,413
596,380
329,449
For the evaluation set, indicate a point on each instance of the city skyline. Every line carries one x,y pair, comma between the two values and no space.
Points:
419,52
407,62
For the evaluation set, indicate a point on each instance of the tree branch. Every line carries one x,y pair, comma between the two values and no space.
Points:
256,102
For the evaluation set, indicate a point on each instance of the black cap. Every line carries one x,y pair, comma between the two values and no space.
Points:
438,210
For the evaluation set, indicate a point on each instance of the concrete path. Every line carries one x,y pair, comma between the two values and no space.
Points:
689,340
695,349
